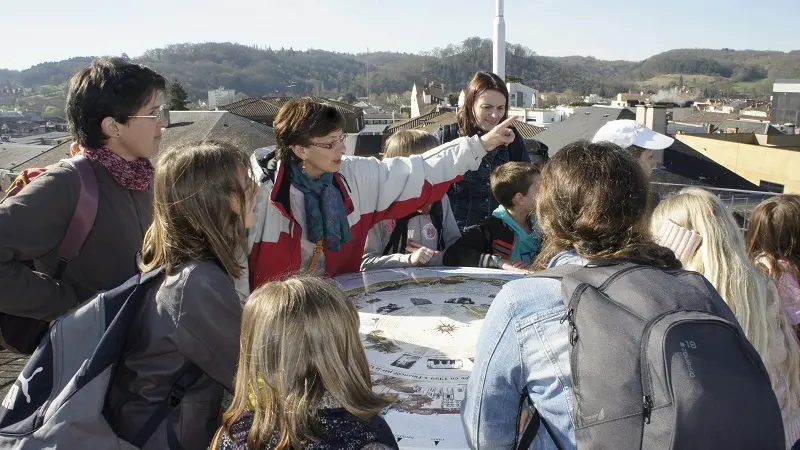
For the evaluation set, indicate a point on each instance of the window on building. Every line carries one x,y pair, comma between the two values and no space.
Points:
771,187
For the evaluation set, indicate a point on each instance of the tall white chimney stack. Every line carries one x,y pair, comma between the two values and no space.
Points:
499,55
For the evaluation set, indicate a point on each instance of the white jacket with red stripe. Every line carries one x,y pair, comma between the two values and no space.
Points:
373,190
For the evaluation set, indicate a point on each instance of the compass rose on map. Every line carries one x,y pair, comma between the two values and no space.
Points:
445,328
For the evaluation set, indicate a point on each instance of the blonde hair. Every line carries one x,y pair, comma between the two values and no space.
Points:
752,297
409,142
300,340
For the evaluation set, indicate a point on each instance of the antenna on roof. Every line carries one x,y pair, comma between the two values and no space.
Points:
369,74
499,47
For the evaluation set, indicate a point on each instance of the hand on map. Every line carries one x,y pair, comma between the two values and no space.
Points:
516,266
419,255
499,135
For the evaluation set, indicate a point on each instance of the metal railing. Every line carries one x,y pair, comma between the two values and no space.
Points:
739,202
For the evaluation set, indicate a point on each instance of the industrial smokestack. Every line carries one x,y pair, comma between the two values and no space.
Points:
499,55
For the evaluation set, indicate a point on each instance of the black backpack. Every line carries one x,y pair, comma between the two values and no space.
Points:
399,237
658,361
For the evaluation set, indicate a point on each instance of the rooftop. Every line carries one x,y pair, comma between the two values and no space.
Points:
748,126
527,130
269,106
13,155
581,125
416,122
187,126
705,117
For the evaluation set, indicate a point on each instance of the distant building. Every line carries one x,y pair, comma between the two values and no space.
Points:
593,98
422,98
383,118
626,100
220,97
786,102
539,117
521,96
768,161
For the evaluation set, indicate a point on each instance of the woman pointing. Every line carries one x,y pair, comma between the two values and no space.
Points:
316,205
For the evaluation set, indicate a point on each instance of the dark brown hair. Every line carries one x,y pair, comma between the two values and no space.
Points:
196,187
108,87
409,142
774,233
593,199
481,82
301,119
510,179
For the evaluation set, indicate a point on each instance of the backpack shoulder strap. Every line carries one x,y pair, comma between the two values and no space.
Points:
84,215
557,272
188,375
437,217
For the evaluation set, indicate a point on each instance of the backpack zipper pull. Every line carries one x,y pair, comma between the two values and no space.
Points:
573,330
648,408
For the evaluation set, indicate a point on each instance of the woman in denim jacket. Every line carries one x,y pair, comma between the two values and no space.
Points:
592,205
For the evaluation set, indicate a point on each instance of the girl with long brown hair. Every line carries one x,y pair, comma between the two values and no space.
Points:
485,106
591,205
303,380
773,243
189,328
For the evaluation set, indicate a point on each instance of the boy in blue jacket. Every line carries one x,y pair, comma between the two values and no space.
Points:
510,238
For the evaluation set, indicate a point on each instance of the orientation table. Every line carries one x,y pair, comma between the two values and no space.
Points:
419,327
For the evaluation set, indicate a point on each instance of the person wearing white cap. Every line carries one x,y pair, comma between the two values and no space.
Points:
637,139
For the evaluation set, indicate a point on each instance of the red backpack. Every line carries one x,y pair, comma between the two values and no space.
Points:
23,334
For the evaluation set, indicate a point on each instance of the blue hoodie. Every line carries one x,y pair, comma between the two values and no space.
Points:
526,245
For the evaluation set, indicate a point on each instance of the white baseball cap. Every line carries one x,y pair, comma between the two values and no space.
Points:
627,132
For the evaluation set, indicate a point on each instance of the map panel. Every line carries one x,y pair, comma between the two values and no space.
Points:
419,327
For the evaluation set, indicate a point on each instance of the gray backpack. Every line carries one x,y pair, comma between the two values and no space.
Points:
658,361
59,398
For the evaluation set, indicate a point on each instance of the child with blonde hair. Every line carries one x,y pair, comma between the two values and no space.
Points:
421,238
303,381
720,255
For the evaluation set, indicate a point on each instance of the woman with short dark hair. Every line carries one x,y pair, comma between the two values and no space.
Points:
485,105
114,114
317,205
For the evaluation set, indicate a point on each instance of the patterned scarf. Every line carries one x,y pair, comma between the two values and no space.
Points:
325,213
135,175
338,430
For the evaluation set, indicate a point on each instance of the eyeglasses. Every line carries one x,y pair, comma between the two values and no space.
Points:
160,116
331,144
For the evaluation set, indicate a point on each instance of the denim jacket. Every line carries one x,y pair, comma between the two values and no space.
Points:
522,345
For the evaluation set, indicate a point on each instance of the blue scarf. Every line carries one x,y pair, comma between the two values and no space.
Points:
325,213
526,245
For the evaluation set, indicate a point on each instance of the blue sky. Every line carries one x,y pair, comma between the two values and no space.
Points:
35,31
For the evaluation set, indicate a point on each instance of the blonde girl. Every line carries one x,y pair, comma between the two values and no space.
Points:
420,238
303,381
721,257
